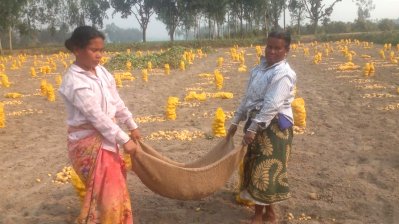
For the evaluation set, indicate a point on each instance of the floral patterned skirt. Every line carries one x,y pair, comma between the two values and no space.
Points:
106,200
265,166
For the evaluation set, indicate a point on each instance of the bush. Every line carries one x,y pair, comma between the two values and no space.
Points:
376,37
386,25
172,56
337,27
156,45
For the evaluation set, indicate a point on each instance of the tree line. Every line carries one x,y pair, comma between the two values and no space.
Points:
201,19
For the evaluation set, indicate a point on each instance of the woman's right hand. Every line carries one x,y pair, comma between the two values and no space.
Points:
232,130
130,147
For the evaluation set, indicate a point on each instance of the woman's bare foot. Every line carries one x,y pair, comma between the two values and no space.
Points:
257,219
270,219
270,216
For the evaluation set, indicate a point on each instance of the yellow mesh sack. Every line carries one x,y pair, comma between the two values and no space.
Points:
240,200
298,107
78,185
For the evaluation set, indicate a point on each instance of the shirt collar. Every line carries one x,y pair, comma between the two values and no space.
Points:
264,66
76,68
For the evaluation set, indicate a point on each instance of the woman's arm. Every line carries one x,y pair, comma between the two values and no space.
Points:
84,100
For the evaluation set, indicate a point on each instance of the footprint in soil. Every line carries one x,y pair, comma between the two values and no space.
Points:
372,179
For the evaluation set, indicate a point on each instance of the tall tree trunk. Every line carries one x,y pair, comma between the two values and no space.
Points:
195,28
266,24
144,28
235,26
10,37
315,26
222,30
171,33
1,47
209,28
275,24
241,19
299,25
284,16
199,29
214,33
228,24
241,27
258,23
250,24
218,30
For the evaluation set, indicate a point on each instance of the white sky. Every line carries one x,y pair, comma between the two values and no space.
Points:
345,11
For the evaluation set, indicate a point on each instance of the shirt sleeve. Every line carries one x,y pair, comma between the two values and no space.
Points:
122,114
83,98
275,96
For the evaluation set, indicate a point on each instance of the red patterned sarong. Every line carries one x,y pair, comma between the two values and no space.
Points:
104,174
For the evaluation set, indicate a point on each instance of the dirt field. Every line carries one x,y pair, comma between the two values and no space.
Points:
348,158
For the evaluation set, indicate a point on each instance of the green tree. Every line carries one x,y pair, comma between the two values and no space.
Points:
237,11
189,15
220,15
338,27
276,7
170,12
364,8
95,11
40,13
318,11
75,13
386,25
260,7
10,11
249,12
141,9
118,35
79,10
214,12
296,9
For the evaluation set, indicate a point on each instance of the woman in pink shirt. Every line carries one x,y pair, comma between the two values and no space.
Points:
94,108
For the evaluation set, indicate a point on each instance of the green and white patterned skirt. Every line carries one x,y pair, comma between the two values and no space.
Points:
265,166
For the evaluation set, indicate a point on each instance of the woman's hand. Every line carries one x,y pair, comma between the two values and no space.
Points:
130,147
232,130
249,137
135,134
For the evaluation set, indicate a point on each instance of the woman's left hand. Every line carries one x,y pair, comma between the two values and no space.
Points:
135,134
248,138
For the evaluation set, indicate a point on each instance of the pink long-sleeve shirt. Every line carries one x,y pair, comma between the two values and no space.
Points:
93,99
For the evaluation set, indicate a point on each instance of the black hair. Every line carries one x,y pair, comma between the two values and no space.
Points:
81,37
286,36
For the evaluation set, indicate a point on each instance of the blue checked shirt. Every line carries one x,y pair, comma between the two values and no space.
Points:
270,91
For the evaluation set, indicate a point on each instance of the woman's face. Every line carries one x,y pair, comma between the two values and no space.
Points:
90,56
275,50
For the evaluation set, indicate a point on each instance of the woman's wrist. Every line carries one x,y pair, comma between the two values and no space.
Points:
253,127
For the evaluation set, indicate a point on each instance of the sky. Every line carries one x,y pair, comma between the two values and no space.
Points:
345,11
